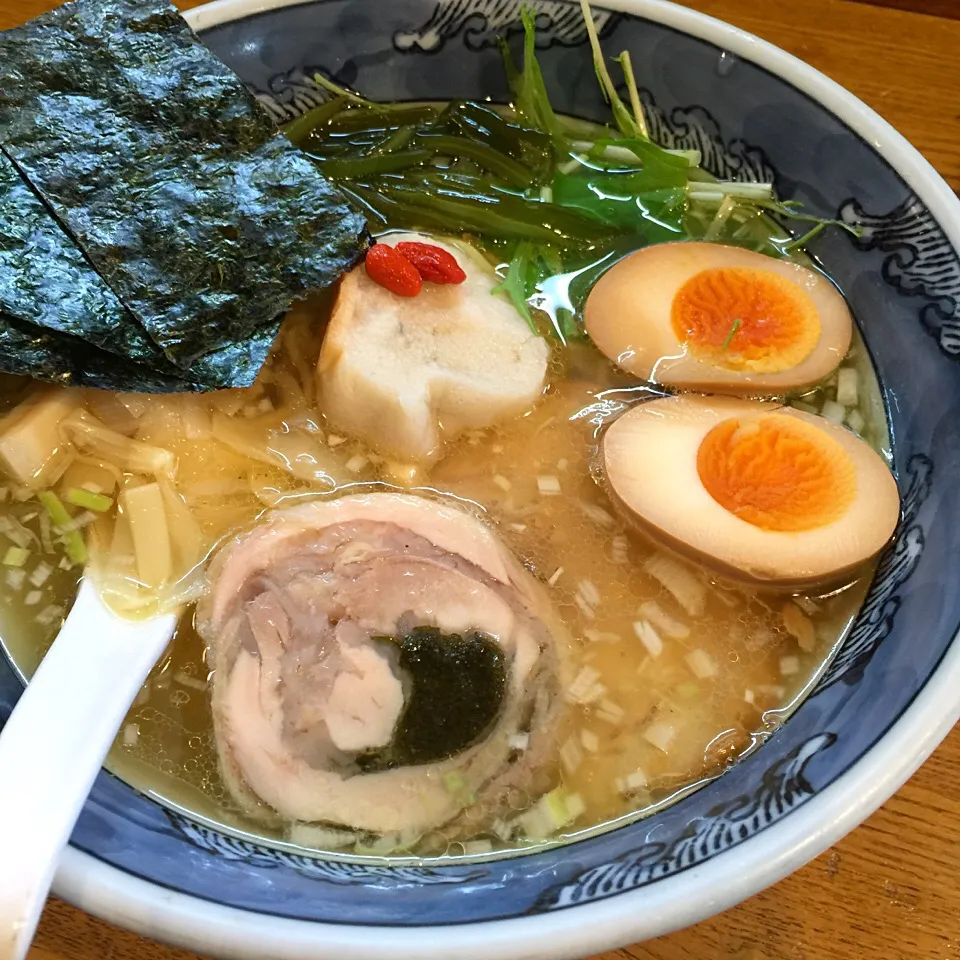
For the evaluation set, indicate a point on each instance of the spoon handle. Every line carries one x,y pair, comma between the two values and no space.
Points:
53,746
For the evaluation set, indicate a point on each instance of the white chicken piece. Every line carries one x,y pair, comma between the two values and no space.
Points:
406,374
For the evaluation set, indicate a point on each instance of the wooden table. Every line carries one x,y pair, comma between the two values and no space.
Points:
890,890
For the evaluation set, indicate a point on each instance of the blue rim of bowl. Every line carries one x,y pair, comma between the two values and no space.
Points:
799,837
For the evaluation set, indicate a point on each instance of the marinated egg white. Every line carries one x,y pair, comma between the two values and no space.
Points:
718,318
757,491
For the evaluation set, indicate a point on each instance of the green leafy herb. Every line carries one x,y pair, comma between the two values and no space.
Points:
514,284
567,327
548,196
625,122
626,64
531,100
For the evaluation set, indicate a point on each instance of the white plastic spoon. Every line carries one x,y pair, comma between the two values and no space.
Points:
54,744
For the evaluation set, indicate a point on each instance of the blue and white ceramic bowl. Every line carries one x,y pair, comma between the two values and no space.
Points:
885,703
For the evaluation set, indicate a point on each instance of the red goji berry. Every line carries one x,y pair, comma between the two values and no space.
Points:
433,263
392,270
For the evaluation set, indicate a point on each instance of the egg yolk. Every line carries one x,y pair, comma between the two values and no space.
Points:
747,319
777,473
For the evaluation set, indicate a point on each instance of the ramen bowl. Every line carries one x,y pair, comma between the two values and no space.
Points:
889,696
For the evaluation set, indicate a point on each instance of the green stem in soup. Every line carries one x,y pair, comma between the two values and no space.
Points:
73,544
303,126
372,166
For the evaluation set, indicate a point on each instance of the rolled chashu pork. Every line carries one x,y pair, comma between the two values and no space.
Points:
381,663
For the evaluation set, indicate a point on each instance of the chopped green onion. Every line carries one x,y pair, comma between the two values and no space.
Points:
555,807
457,786
454,782
733,330
46,540
661,734
552,812
97,502
833,411
55,508
41,574
701,664
856,421
74,547
15,557
847,389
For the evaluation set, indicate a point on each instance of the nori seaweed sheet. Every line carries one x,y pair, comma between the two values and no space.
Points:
457,684
26,349
45,279
172,179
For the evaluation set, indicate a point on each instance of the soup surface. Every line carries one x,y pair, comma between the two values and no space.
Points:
673,675
512,539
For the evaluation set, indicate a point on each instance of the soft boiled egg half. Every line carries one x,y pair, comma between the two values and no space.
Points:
758,491
718,318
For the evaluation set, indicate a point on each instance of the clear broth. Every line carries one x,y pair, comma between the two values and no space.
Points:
591,563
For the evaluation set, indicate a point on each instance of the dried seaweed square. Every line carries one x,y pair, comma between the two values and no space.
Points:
28,350
172,179
46,280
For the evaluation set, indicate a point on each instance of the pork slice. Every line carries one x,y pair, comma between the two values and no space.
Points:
365,704
448,528
302,688
433,593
